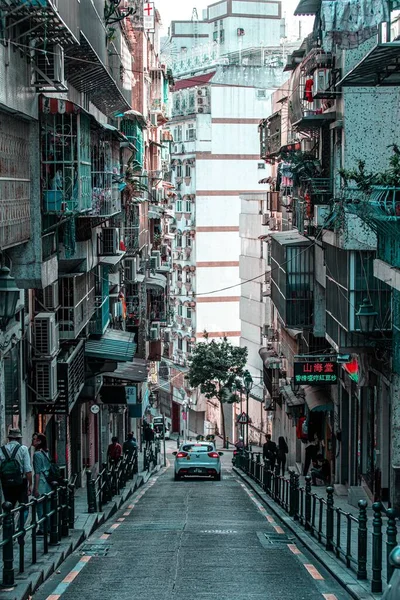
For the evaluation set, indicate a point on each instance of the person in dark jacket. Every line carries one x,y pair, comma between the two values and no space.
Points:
270,451
321,470
129,447
281,454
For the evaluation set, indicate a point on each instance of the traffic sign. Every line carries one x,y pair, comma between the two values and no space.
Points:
243,419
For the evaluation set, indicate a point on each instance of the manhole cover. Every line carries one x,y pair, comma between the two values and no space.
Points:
95,549
219,531
276,538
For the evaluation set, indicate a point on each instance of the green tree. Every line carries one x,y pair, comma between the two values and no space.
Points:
215,369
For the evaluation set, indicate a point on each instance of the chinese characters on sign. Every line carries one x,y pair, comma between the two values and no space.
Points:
315,373
148,16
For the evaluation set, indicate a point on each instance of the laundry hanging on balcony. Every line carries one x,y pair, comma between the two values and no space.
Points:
348,23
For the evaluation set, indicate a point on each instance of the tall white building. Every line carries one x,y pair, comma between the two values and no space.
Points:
215,156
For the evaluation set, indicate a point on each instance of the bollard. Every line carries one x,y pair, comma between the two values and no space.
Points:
376,582
362,540
392,592
91,493
178,442
276,484
64,509
291,495
391,540
296,492
8,551
71,505
227,442
307,508
329,517
54,518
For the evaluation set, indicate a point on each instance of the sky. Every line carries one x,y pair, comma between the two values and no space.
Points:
172,10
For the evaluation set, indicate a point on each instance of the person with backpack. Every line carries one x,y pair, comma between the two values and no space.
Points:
41,466
16,471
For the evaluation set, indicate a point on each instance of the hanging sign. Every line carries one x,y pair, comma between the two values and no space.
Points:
148,16
315,373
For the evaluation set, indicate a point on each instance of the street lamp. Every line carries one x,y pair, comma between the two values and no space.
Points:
9,296
248,384
367,316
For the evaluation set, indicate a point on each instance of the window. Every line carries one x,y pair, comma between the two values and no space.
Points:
189,347
180,343
188,171
192,102
261,94
261,166
179,171
180,310
188,311
188,206
178,134
188,242
190,133
179,240
222,36
179,209
188,278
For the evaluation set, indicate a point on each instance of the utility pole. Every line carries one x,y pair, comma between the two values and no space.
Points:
165,454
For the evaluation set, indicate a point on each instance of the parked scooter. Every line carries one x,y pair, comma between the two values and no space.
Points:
239,448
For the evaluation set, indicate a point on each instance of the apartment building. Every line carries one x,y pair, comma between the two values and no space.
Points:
81,172
330,358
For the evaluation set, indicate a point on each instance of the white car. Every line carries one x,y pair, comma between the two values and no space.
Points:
198,459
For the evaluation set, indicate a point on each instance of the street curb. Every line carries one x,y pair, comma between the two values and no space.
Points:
27,583
342,575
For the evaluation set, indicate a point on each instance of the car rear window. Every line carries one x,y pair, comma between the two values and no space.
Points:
197,448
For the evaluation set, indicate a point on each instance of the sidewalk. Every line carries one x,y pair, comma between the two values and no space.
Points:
347,577
85,523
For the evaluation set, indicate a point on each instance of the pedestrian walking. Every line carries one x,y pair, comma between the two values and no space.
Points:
41,467
281,455
270,451
16,472
129,447
148,435
312,449
114,451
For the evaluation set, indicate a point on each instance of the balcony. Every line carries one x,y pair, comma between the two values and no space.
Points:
306,112
66,158
71,375
77,303
292,271
15,182
101,318
43,20
270,136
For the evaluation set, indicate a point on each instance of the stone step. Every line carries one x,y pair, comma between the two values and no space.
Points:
340,489
356,493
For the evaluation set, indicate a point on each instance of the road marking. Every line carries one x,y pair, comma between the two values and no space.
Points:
278,529
60,589
105,536
131,506
115,525
121,519
293,548
270,519
313,571
329,596
127,513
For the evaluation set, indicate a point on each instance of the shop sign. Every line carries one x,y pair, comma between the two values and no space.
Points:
315,373
148,16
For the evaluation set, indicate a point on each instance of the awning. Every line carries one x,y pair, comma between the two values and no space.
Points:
112,260
113,345
307,7
270,359
294,333
137,115
153,143
266,180
380,66
317,399
154,214
140,278
155,282
290,397
135,371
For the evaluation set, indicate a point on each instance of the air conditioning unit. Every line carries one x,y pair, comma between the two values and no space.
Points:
153,119
165,166
202,92
46,380
205,101
266,290
307,145
109,240
321,80
321,215
266,219
48,66
46,341
167,336
155,259
272,223
48,297
154,332
189,222
130,270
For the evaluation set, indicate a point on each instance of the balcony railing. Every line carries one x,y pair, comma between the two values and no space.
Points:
71,375
77,298
270,136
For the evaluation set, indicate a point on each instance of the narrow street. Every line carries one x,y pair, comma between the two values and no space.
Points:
194,539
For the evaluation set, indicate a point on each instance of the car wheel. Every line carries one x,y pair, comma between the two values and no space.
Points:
177,477
217,477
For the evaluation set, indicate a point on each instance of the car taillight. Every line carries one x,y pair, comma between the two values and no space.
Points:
181,455
213,454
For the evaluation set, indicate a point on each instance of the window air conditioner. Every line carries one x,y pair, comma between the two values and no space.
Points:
321,214
155,332
46,380
45,334
130,270
49,67
48,297
109,240
155,259
266,219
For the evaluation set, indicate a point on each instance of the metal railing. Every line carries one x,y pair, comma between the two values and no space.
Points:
57,510
323,520
110,481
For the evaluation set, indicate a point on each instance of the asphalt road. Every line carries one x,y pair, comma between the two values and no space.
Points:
192,540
